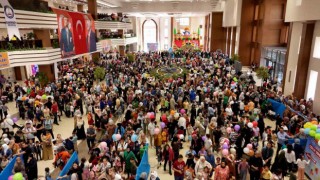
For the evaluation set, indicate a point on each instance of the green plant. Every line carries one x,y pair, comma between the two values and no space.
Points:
95,60
55,44
262,72
43,78
30,35
99,73
130,57
10,46
235,57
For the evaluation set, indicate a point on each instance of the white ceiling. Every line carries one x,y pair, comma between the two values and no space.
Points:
157,7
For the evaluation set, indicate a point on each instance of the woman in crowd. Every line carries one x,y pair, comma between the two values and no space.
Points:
47,150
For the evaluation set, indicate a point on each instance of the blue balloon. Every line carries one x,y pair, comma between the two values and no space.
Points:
318,131
114,137
306,131
134,138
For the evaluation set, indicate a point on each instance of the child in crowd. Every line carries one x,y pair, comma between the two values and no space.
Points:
38,149
266,173
301,162
190,131
71,109
68,109
243,168
47,174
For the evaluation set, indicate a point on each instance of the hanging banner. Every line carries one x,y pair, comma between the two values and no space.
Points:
76,33
10,18
65,33
312,153
153,47
4,60
106,45
90,33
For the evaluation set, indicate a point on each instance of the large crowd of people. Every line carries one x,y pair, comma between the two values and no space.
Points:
215,112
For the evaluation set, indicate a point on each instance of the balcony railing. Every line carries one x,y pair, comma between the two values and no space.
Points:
20,45
31,5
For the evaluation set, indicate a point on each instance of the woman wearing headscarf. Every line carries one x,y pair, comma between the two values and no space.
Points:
128,154
6,151
80,128
32,168
75,172
154,176
222,171
47,151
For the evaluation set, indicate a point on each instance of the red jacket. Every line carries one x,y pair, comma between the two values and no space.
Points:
171,154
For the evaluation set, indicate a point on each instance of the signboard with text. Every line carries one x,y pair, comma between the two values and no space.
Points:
312,153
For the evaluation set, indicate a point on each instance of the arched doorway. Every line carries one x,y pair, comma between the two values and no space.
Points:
149,33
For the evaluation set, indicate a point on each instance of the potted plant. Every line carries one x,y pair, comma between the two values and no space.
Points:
99,73
262,73
236,61
30,36
96,60
130,57
43,78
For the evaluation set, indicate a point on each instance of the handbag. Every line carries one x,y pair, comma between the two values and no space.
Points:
60,161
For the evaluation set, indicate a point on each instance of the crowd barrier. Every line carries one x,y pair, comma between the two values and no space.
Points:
144,165
7,171
66,168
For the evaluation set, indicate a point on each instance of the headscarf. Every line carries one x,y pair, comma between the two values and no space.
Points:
154,175
5,148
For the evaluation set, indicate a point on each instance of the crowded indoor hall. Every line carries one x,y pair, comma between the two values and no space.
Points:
159,90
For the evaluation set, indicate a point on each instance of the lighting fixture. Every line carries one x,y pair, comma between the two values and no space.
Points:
106,4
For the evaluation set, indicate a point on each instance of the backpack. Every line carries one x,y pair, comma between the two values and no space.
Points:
60,161
68,144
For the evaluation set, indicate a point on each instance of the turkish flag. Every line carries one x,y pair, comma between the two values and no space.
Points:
79,30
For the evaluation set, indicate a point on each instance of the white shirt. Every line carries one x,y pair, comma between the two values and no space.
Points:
229,111
208,144
302,163
182,122
151,127
291,157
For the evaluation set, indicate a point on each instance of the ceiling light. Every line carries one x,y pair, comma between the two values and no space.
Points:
106,4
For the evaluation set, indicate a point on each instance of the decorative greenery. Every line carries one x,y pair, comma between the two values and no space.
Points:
99,73
11,48
55,44
30,35
131,57
262,73
235,57
175,31
158,73
43,78
95,60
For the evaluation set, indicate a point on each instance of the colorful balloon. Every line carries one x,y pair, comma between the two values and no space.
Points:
306,131
225,146
15,119
134,138
114,137
313,127
229,130
182,111
118,137
156,131
255,123
163,125
176,115
204,138
237,127
250,125
317,136
181,136
246,150
249,146
225,152
312,133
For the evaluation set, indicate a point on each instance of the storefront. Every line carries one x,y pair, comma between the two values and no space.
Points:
274,58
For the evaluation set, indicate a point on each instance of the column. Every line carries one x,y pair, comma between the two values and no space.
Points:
303,59
92,8
80,8
56,70
44,35
218,33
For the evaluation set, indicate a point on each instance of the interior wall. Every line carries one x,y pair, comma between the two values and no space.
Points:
314,64
293,54
302,10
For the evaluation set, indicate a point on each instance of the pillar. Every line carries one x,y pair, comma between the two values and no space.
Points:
92,8
218,33
80,7
303,59
56,70
44,35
